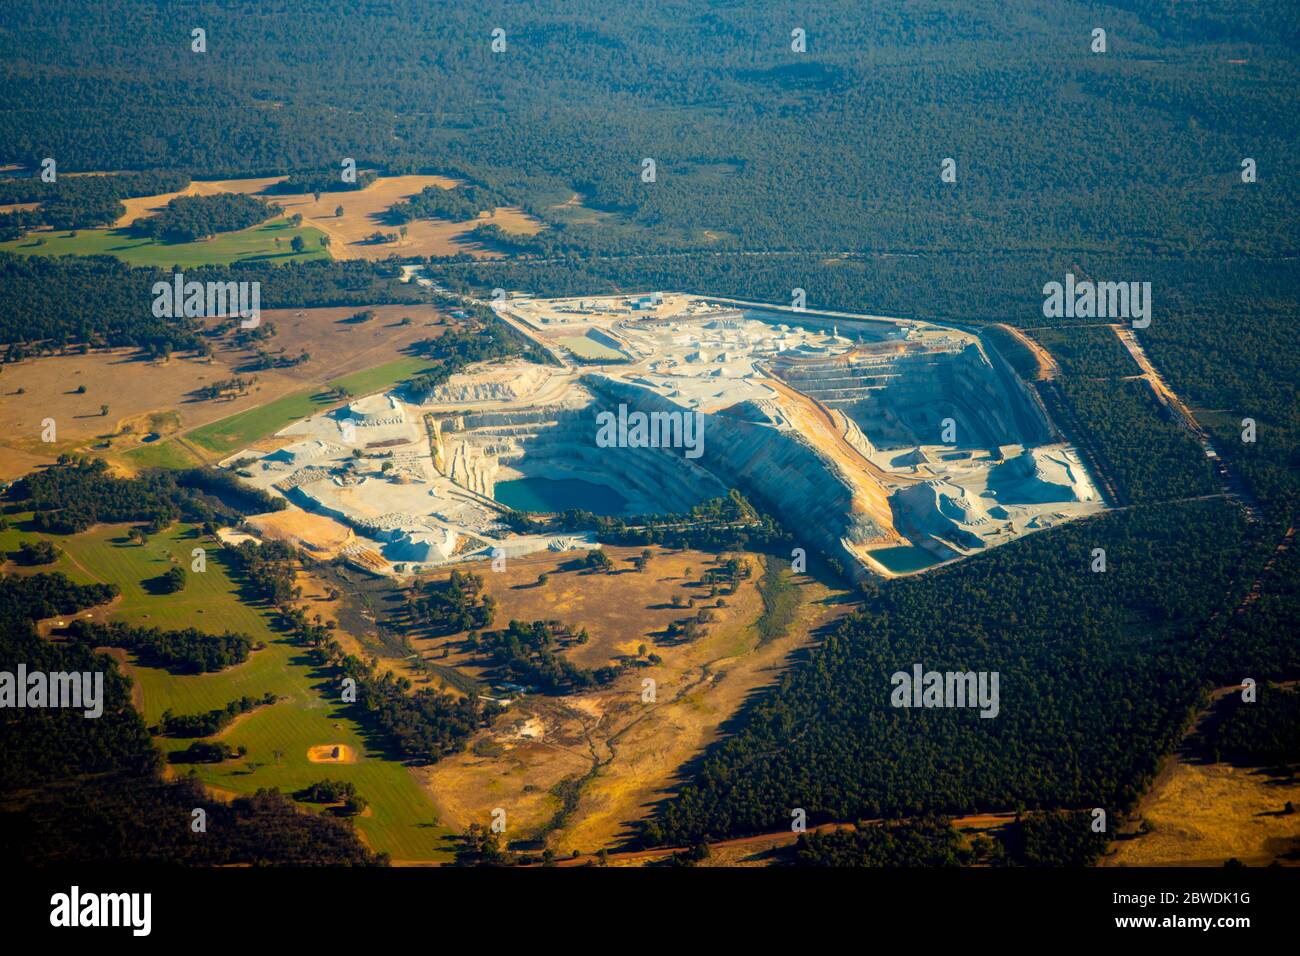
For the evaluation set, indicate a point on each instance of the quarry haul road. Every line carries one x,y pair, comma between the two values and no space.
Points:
848,454
1233,487
1047,367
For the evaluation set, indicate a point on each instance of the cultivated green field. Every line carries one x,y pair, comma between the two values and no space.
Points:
229,434
232,433
162,454
381,377
256,242
277,737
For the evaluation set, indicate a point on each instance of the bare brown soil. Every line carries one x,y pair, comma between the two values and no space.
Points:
142,206
1047,367
321,535
131,387
577,772
158,397
331,753
339,346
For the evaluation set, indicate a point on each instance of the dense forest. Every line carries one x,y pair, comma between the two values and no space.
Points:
47,305
143,820
1053,838
433,202
186,651
79,202
323,181
38,596
926,842
1151,457
774,169
1264,733
212,721
76,493
187,218
1062,640
764,147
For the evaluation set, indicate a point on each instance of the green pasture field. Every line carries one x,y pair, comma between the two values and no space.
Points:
277,737
162,454
381,377
236,431
254,243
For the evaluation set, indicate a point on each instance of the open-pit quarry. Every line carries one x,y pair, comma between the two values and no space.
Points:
889,445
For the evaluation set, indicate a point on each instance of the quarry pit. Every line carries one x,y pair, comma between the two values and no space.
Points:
890,445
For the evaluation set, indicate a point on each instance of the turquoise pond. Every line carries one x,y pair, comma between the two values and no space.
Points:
552,494
904,558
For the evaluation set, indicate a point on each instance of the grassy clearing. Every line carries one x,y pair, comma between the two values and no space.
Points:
588,348
104,554
1205,814
381,376
230,434
254,243
780,601
277,737
162,454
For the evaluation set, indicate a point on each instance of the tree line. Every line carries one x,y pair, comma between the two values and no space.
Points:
184,651
77,492
187,218
79,202
423,726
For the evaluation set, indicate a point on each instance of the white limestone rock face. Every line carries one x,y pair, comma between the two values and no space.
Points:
423,546
778,467
1042,476
942,509
845,450
484,384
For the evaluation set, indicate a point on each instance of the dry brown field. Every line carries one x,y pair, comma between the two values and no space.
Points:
141,396
322,536
1204,814
141,206
364,213
144,396
339,347
604,754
